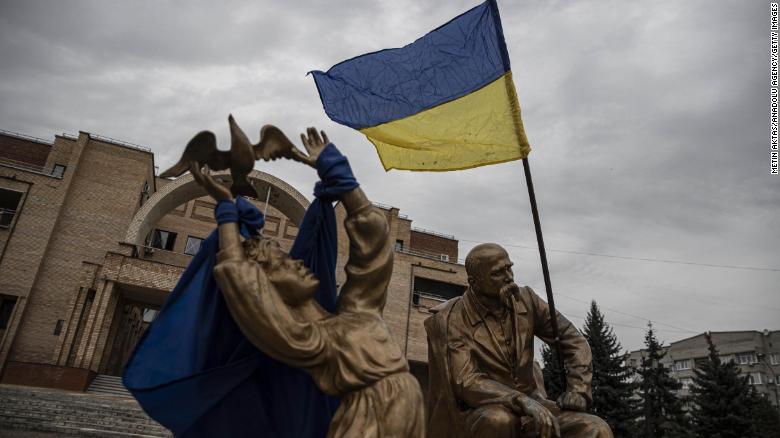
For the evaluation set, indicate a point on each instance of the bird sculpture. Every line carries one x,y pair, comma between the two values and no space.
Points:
241,157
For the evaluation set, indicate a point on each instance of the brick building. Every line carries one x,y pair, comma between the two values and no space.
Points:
91,244
756,352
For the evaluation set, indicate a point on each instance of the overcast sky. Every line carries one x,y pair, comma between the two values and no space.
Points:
648,122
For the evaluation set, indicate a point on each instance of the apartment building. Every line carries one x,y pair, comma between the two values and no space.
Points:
756,352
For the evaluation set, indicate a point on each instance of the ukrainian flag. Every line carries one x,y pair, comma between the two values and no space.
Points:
445,102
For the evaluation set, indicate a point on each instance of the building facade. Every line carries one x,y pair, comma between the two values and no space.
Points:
92,243
756,352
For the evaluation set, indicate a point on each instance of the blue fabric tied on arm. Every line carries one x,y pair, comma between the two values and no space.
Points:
226,212
336,176
242,212
193,370
249,218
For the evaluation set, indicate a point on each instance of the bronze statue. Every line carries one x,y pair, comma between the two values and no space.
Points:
202,149
481,361
350,353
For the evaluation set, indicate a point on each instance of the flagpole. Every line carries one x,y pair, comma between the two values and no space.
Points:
545,271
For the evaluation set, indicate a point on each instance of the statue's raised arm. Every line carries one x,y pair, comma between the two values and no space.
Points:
349,352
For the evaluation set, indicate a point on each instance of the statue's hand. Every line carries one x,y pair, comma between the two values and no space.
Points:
314,144
549,405
217,190
573,401
546,425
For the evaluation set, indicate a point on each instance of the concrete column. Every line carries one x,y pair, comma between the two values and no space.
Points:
94,321
104,328
104,309
71,325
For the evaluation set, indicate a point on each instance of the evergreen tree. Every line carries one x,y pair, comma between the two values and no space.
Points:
552,373
661,411
722,398
764,417
612,390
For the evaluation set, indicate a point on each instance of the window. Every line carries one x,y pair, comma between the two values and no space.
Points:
727,358
9,201
162,239
58,171
684,364
686,383
144,193
426,287
774,358
746,358
6,310
399,245
290,230
193,245
444,257
58,327
755,379
271,227
149,315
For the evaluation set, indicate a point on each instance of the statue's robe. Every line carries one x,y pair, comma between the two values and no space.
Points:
194,372
349,354
444,416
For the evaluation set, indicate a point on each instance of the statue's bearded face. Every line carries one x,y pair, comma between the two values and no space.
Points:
494,277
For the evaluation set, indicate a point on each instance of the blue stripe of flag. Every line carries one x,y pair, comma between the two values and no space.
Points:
456,59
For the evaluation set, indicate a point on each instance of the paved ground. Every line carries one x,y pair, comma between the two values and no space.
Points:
27,412
27,434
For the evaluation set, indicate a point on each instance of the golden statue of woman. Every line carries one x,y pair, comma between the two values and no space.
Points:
350,353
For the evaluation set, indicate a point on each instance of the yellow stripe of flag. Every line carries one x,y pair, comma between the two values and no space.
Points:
480,128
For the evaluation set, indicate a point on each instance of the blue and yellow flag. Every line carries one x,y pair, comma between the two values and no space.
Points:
444,102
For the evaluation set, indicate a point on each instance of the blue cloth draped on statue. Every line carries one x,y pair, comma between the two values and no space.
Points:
194,372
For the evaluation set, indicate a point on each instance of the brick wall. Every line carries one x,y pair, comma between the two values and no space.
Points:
25,242
96,207
149,275
431,243
64,149
23,150
49,376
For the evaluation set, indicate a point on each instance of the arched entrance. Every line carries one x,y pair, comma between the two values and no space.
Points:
283,196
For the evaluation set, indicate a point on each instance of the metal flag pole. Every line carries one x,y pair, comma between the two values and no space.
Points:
267,197
545,271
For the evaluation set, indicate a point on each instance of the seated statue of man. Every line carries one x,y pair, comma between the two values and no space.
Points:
481,361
